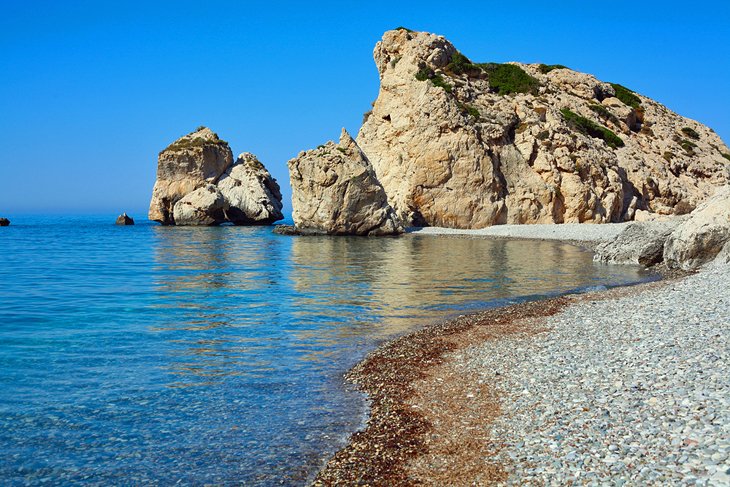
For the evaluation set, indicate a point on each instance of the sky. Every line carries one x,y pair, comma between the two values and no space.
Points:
90,92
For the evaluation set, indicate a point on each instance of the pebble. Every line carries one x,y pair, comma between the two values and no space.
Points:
633,390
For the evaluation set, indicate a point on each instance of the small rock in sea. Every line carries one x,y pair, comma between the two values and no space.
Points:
286,230
124,219
4,222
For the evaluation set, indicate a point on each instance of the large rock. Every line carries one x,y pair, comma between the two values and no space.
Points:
198,170
638,243
191,162
703,236
452,147
335,191
252,195
204,206
4,222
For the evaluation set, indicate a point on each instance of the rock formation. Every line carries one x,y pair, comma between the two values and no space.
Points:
703,236
467,145
335,191
4,222
639,243
680,243
124,219
198,183
252,195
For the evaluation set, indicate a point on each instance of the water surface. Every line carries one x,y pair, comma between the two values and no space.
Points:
148,354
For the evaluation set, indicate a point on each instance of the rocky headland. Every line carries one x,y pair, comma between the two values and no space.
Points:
460,144
199,183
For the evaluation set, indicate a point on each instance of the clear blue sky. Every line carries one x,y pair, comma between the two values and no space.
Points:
90,92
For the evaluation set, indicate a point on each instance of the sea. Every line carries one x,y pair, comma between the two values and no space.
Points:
179,355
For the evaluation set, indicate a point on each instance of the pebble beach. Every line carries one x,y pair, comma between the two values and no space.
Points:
627,386
633,390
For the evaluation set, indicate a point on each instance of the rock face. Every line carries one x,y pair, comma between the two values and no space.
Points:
335,191
198,183
4,222
124,219
703,236
252,195
463,145
639,243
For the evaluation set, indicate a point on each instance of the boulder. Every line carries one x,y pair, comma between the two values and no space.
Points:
204,206
4,222
638,243
335,191
244,193
124,219
253,197
192,161
464,145
703,236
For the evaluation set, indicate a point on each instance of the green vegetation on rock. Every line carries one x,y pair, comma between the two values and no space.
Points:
627,96
688,146
403,28
604,112
506,79
469,110
692,134
461,64
439,81
424,73
592,129
193,142
725,155
546,68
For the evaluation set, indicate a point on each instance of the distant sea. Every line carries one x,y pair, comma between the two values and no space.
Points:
149,354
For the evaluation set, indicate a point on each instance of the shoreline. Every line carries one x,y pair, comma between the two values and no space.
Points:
432,414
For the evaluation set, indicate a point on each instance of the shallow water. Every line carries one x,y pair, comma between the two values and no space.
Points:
214,355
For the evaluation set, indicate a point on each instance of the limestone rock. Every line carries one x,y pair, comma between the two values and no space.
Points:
187,164
703,236
204,206
124,219
252,195
335,191
638,243
4,222
450,150
244,193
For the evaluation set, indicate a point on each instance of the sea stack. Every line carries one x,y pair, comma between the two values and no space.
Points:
4,222
461,144
335,191
124,219
198,183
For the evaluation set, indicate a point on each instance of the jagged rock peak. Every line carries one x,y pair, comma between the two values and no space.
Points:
198,183
464,144
335,191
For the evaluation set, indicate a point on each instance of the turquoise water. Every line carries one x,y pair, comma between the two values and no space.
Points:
148,354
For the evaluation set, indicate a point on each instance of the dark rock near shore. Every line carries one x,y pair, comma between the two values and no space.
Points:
124,219
4,222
